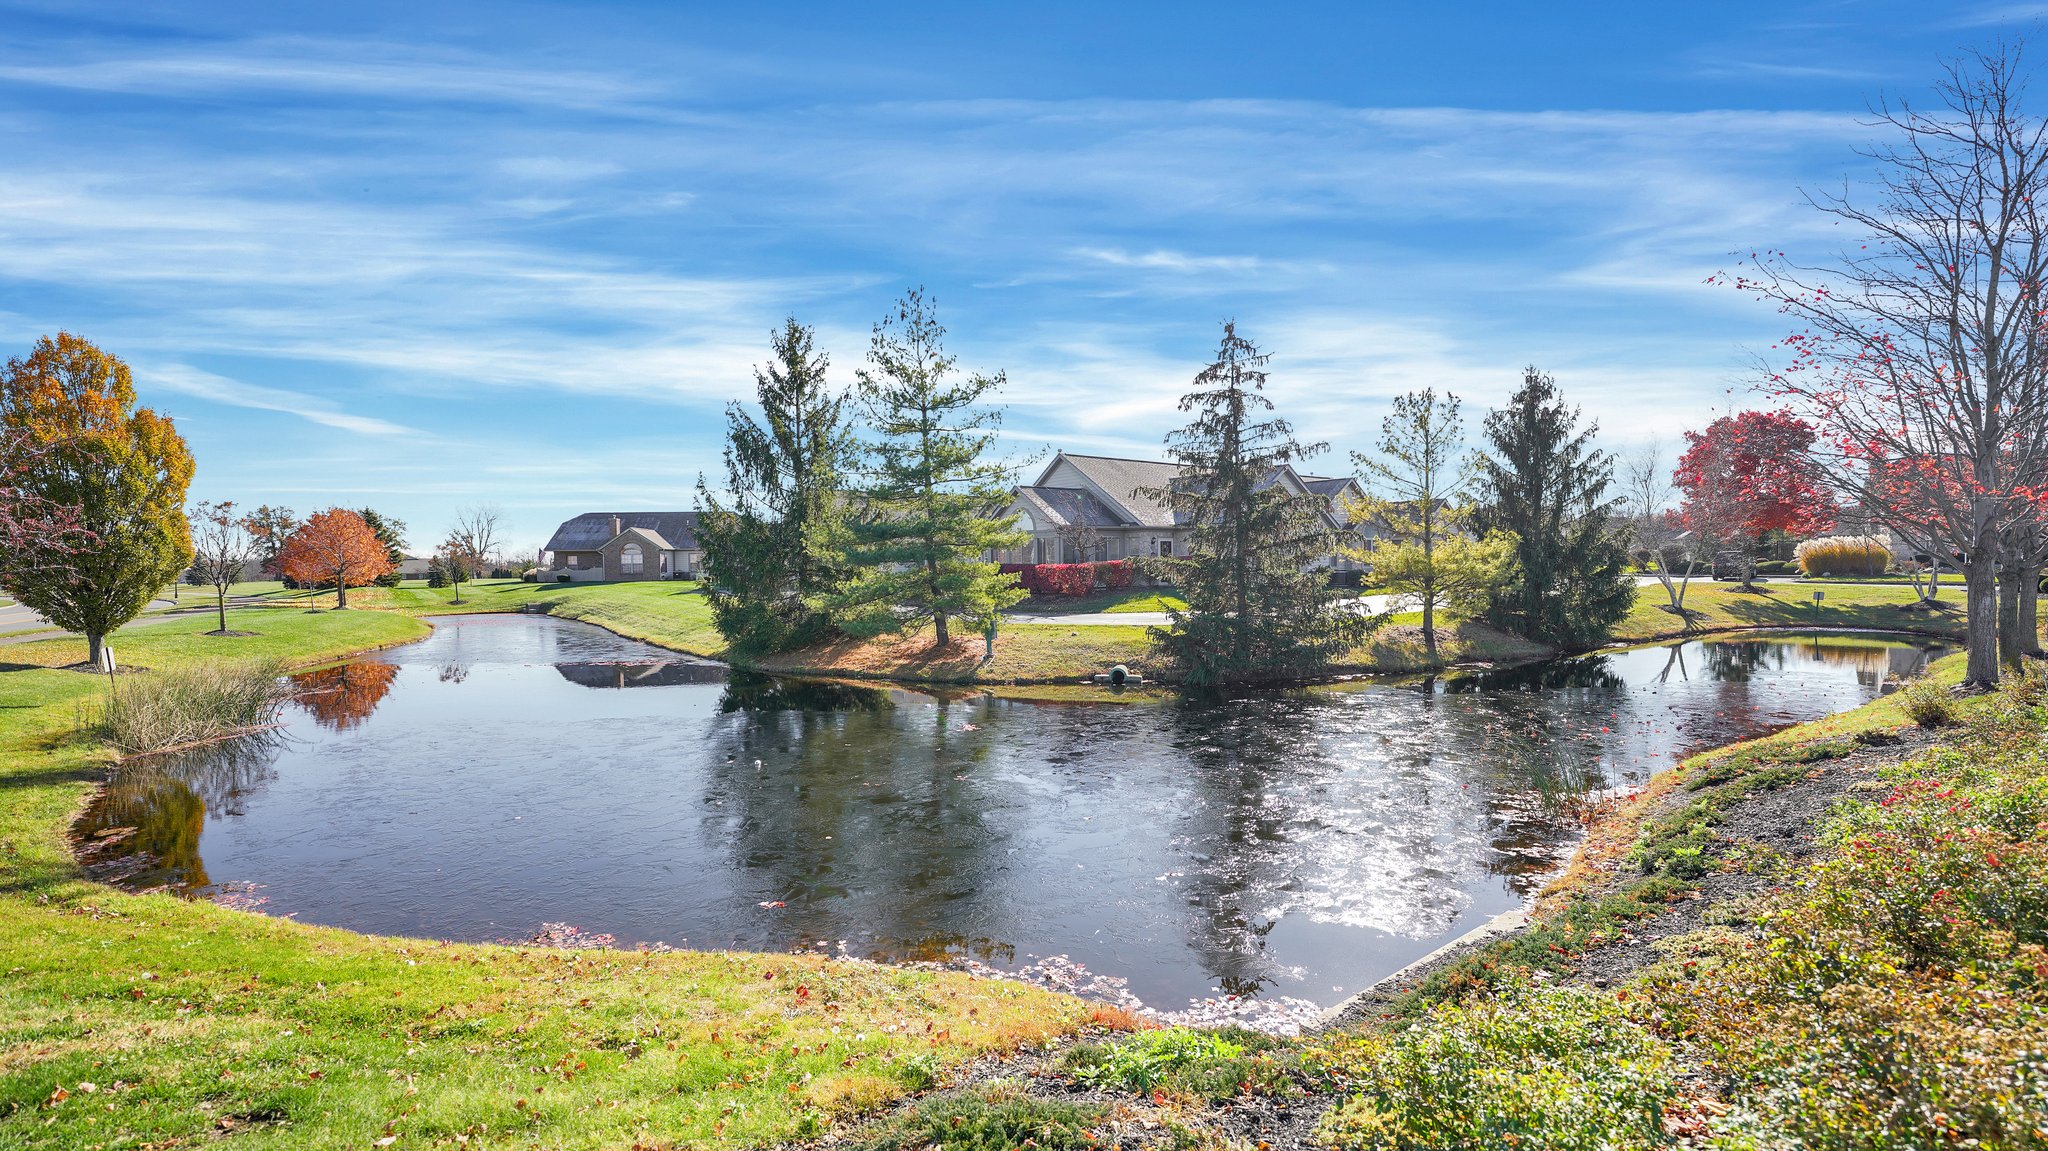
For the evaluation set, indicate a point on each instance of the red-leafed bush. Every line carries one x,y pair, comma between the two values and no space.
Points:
1074,580
1115,574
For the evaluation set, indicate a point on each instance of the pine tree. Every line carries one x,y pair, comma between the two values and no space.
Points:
770,548
1259,609
1544,481
930,509
1422,551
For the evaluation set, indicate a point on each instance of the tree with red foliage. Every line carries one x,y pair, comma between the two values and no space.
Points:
1749,474
336,545
1922,352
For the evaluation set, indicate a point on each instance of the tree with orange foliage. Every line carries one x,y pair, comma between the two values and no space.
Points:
336,545
122,471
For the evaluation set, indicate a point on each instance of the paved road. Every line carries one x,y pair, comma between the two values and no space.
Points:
30,626
1371,603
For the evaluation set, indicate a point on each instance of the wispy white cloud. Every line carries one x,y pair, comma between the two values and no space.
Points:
620,277
190,381
360,68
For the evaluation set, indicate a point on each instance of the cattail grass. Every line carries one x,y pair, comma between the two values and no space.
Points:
195,704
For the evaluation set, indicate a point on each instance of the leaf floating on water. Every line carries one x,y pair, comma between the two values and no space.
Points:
772,904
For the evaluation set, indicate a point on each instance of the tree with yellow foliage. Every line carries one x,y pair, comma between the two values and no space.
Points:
69,409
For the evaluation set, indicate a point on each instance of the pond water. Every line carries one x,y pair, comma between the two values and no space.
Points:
512,771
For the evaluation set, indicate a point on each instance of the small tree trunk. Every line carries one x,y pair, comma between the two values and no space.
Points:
1980,605
96,653
341,589
2029,614
943,636
2009,649
220,603
1429,626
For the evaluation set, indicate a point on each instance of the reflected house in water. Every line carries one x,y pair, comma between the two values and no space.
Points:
668,673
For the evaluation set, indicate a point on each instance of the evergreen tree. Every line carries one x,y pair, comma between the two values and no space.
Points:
931,504
390,532
1259,609
1545,482
770,548
1422,550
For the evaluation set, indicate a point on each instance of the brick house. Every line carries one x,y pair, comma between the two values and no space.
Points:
625,546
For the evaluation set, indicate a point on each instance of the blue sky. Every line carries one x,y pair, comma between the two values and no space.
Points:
422,255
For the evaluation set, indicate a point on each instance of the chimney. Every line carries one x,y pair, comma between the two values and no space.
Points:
617,527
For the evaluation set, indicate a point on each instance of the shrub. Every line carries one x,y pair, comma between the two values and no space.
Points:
197,703
1071,580
1116,574
563,578
501,573
388,579
1843,556
530,575
437,573
1209,1064
1526,1067
997,1117
1928,703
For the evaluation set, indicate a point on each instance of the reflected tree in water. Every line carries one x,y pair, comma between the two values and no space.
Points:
865,818
750,691
143,830
341,698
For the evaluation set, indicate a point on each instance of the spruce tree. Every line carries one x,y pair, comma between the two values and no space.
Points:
1544,481
931,505
1259,608
770,546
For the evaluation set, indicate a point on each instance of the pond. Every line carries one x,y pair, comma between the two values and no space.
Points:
515,771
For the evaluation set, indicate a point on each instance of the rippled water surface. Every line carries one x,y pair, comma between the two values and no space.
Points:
513,771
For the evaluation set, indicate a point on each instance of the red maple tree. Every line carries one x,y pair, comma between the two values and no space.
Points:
1749,474
335,545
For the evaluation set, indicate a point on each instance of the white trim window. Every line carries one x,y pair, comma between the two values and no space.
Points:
632,561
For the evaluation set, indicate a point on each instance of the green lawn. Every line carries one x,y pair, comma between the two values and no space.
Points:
1127,600
1723,607
673,614
148,1021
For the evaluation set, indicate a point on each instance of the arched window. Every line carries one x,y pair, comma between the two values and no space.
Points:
631,560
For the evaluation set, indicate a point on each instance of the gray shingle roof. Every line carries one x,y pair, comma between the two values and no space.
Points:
1071,506
592,530
1125,482
1325,485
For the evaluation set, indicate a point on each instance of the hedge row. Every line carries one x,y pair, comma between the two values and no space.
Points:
1073,580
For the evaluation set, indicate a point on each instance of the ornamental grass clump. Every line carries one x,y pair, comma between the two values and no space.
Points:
1528,1066
1928,704
1843,556
191,704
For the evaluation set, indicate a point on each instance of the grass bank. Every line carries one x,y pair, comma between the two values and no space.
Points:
676,616
148,1021
1858,966
1714,607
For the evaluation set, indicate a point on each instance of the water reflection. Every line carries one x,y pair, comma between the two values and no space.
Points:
144,828
624,675
340,698
1304,842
